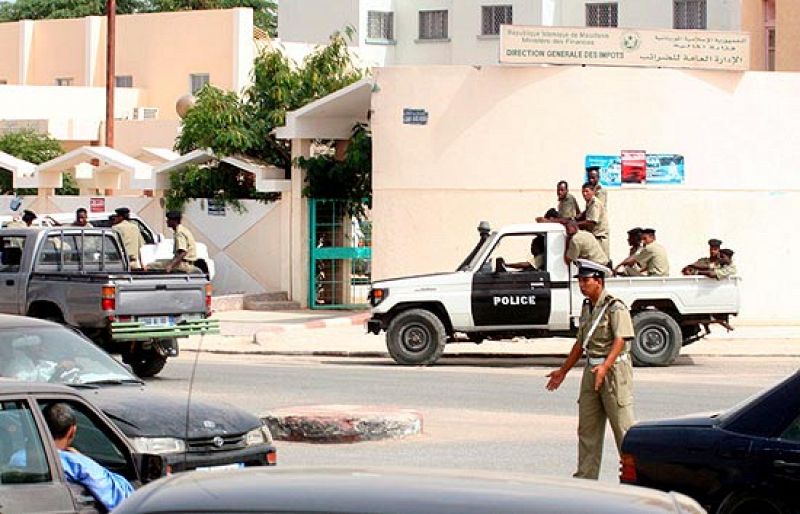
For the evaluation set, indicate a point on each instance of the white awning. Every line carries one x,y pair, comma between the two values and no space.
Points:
159,154
331,117
268,178
112,163
23,173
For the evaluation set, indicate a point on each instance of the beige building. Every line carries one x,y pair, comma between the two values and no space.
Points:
774,27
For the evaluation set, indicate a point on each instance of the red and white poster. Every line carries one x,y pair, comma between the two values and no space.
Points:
97,205
634,166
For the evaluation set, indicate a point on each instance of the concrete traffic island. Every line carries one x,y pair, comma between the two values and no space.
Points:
342,423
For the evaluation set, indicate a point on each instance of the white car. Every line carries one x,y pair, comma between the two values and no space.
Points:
156,245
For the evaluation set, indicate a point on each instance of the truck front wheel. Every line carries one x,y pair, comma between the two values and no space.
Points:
416,337
658,339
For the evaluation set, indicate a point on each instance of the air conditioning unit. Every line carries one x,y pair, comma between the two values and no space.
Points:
145,113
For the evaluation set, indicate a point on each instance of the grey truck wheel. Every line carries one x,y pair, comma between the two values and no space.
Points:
416,337
658,339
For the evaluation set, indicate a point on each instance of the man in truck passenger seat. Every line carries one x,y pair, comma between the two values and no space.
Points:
705,263
537,260
652,259
582,245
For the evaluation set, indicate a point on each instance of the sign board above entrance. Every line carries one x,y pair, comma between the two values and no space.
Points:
697,49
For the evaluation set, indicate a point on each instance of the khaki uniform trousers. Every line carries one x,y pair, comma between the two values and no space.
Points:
183,266
614,402
604,245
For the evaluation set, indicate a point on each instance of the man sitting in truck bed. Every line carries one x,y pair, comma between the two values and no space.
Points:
652,258
725,268
582,245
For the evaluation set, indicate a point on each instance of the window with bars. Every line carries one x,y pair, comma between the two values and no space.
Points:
771,49
433,25
492,16
601,14
123,81
689,14
380,25
65,81
198,80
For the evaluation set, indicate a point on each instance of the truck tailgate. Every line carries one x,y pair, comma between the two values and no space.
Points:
160,295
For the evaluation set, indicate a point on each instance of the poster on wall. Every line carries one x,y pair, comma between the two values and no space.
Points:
97,205
634,166
662,169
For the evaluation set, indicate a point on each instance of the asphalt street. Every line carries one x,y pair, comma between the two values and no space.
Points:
477,413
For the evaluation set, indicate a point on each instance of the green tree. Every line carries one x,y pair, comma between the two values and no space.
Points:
37,148
264,11
244,127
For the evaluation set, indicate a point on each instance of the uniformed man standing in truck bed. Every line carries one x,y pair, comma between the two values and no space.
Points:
606,390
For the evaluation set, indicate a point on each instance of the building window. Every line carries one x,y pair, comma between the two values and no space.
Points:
689,14
198,80
380,25
65,81
492,16
123,81
769,27
601,15
433,25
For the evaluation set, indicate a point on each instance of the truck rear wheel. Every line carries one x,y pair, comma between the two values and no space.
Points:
416,337
658,339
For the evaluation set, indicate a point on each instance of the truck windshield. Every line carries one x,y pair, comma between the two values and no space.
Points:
56,354
471,261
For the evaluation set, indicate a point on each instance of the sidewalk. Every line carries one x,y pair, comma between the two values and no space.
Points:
342,334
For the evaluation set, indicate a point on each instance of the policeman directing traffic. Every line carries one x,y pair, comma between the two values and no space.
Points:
606,390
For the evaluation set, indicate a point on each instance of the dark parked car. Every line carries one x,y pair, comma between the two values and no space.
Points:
36,482
742,461
400,491
217,434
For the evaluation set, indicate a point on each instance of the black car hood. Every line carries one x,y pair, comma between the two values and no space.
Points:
692,420
140,412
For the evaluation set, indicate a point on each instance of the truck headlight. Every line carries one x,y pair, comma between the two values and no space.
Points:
377,295
260,435
158,445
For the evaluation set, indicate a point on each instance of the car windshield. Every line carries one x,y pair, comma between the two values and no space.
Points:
58,355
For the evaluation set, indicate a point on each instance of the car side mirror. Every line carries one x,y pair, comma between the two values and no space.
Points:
151,466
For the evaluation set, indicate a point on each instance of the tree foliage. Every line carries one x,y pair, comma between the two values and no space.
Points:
244,127
37,148
264,11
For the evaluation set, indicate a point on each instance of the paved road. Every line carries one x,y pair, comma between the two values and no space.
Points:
492,414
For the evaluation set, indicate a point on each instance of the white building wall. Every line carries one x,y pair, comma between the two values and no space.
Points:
313,21
653,14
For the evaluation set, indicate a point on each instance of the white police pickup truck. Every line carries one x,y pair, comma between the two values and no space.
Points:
485,299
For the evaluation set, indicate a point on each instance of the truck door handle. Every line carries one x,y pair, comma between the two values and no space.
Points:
10,282
782,464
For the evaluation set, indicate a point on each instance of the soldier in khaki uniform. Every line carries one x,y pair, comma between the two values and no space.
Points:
635,244
594,218
81,219
606,390
593,178
582,245
185,250
131,236
567,204
725,268
705,263
652,259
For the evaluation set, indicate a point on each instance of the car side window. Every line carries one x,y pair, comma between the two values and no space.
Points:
93,441
22,456
11,253
93,251
519,249
792,432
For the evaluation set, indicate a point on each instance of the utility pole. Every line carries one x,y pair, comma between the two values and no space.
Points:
111,13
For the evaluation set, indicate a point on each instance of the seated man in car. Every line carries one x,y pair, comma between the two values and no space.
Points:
107,487
536,262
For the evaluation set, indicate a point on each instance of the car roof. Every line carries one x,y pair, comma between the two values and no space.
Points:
11,321
17,387
386,491
65,217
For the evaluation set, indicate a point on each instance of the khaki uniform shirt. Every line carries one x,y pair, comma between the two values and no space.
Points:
568,207
16,224
601,194
596,211
583,245
131,237
184,240
653,260
616,322
705,263
537,261
721,272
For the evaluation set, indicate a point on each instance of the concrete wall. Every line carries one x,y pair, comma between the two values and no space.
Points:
499,139
314,21
721,14
9,64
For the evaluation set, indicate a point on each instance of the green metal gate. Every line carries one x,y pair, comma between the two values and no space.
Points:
340,257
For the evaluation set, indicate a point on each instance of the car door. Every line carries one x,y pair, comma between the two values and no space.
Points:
12,280
511,296
30,478
781,456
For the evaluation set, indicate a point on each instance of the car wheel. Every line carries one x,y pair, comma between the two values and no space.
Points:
750,503
658,339
416,337
145,363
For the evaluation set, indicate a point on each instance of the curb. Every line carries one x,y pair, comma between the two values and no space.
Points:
354,319
336,424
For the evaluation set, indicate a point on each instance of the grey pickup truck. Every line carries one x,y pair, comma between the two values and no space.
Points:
80,277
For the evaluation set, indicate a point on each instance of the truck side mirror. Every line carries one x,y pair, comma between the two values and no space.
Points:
151,466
